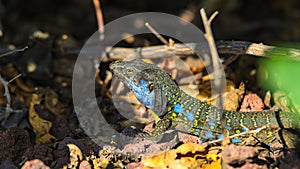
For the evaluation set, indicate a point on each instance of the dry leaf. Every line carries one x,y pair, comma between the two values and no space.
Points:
185,156
40,126
160,160
214,165
231,97
193,148
52,102
75,156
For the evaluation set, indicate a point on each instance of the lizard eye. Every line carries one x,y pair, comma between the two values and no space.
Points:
151,86
129,71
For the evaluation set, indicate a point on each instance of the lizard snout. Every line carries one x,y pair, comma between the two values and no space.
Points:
114,64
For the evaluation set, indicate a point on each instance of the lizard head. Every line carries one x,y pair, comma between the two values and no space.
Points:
142,78
135,73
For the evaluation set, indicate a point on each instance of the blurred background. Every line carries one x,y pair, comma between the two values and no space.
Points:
55,31
270,21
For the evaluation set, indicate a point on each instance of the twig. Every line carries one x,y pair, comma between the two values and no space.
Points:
212,17
6,93
1,27
162,39
217,68
14,51
14,78
239,134
211,42
99,18
230,60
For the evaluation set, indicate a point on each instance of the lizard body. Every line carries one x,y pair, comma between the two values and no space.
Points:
154,88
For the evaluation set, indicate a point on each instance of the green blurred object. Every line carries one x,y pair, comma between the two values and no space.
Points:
284,74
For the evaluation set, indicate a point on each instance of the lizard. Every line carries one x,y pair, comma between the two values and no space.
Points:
154,88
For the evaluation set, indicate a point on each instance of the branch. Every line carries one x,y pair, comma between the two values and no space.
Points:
13,51
162,39
185,50
217,66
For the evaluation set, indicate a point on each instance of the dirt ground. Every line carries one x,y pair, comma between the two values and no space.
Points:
41,40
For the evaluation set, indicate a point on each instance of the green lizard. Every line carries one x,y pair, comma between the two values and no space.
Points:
154,88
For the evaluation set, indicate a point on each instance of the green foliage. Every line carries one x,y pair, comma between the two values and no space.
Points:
283,73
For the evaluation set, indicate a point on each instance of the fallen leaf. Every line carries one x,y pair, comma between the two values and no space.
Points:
185,156
193,148
40,126
75,156
52,102
214,165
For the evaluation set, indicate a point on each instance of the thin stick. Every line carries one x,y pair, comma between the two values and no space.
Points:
1,27
240,134
210,38
212,17
6,93
217,71
230,60
162,39
14,51
99,18
14,78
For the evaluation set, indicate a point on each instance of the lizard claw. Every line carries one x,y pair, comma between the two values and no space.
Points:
144,134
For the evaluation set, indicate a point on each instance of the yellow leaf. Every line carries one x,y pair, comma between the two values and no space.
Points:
213,165
159,160
213,157
41,127
191,147
75,156
185,156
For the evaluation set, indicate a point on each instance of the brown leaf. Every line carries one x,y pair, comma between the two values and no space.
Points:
52,102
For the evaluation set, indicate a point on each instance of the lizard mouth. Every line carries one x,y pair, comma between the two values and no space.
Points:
120,71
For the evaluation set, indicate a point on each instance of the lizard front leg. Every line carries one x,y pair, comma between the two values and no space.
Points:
160,127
